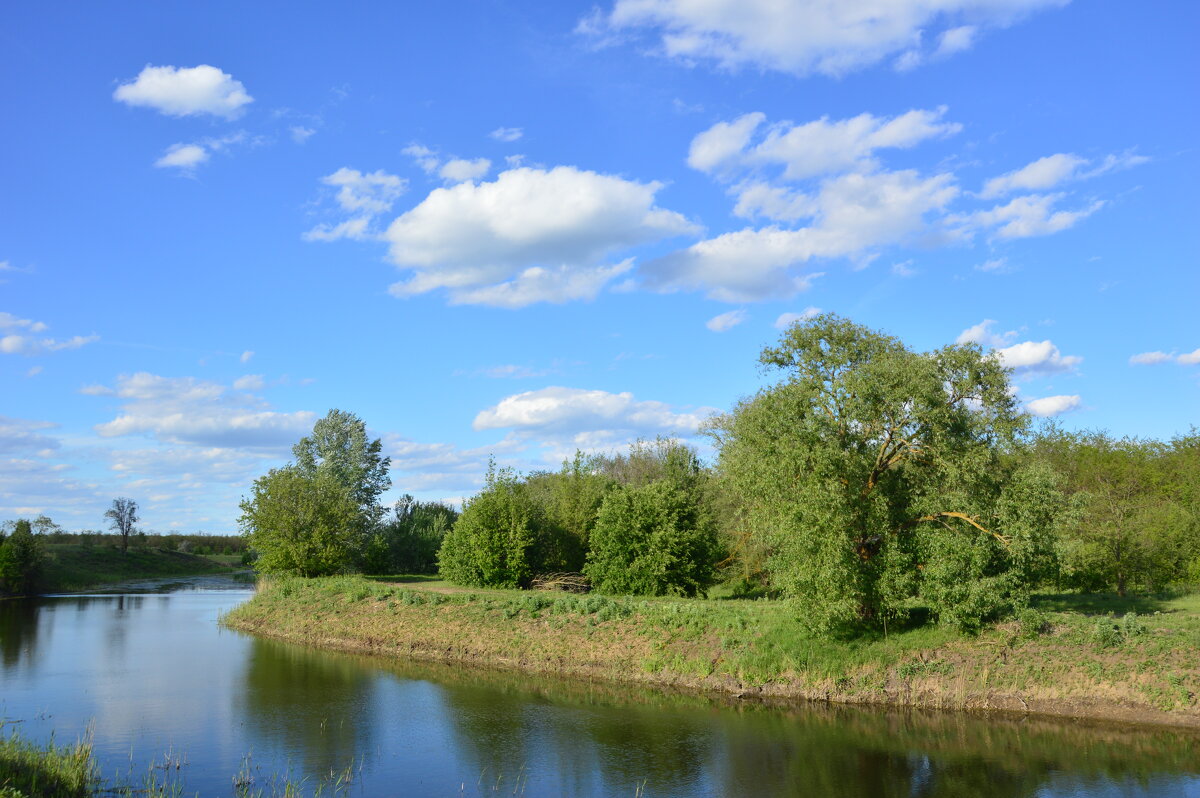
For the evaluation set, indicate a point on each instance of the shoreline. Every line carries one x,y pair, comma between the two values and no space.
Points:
494,630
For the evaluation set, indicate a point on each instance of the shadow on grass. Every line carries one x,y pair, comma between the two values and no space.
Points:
405,578
1102,603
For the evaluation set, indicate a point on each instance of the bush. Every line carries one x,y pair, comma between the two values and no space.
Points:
652,540
22,557
502,538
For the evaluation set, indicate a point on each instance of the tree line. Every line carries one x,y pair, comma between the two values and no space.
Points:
870,484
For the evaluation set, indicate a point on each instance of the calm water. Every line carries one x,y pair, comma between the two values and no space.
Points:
158,678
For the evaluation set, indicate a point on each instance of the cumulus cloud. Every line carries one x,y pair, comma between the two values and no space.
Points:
786,320
249,382
1037,357
1150,358
531,235
1052,405
185,157
726,321
1026,358
371,192
457,170
802,37
1032,215
852,214
185,91
507,134
1154,358
364,195
813,148
185,410
563,419
300,133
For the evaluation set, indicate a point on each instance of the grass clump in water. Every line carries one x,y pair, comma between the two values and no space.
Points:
28,770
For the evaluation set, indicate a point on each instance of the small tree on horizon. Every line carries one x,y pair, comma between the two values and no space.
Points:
122,516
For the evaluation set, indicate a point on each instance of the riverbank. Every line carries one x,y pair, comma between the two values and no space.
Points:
1068,659
75,566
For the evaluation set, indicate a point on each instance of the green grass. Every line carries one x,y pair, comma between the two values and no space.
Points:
53,771
74,566
1069,654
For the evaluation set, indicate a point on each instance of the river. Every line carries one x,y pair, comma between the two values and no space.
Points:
150,671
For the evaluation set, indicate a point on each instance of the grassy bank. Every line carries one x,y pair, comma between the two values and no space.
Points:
75,566
31,771
1069,657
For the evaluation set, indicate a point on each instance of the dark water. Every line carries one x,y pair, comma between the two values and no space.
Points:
159,680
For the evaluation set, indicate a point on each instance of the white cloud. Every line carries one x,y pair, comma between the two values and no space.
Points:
1052,405
507,134
801,37
459,169
249,382
423,156
726,321
10,322
956,40
1042,174
245,357
982,334
997,265
300,133
1150,358
563,419
185,157
530,235
813,148
371,193
904,269
33,371
356,229
184,410
28,345
185,91
786,320
1052,170
1037,357
1032,215
854,213
1189,358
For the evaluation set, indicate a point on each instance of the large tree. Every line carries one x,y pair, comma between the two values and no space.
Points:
339,447
122,516
872,474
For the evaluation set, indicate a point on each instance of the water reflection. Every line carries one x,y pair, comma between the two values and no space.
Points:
156,670
316,708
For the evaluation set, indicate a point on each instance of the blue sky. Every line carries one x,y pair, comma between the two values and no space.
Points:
524,228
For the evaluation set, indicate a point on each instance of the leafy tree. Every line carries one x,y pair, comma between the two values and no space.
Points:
22,558
872,474
303,523
408,543
122,516
654,540
569,500
338,446
502,538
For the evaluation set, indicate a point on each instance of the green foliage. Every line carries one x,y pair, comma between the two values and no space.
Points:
873,474
22,560
569,499
339,448
303,523
122,516
654,539
1137,508
408,542
502,538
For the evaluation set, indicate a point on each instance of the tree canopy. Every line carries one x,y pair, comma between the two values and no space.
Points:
874,474
339,447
